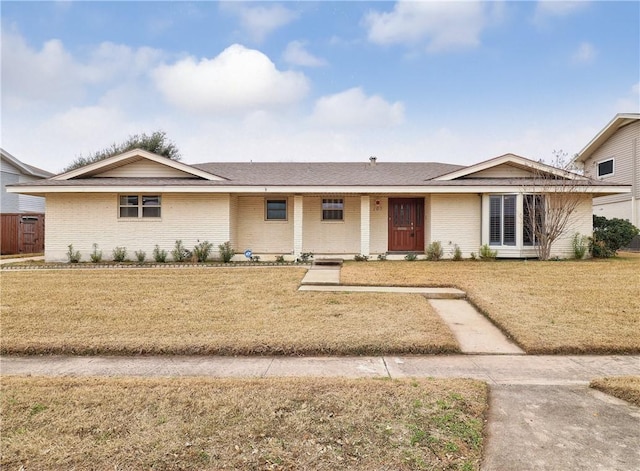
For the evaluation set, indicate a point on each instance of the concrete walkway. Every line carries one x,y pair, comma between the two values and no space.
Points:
473,331
23,259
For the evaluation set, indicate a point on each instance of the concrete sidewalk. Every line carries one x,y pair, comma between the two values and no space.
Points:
542,414
494,369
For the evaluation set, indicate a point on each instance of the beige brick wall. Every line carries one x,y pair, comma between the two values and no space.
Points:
337,237
454,219
84,219
379,226
259,235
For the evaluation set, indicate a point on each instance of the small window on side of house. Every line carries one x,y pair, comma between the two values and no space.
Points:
139,206
332,209
605,168
276,210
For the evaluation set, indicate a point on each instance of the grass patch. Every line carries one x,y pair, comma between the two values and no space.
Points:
194,423
588,306
228,311
623,387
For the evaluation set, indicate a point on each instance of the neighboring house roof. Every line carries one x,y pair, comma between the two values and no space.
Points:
620,120
26,169
283,177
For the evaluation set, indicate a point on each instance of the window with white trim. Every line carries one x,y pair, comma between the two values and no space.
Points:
139,206
332,209
605,168
502,220
275,210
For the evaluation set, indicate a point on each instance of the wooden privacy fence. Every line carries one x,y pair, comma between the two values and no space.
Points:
22,233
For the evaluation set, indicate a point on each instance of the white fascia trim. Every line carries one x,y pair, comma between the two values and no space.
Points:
310,189
604,134
137,153
504,159
21,166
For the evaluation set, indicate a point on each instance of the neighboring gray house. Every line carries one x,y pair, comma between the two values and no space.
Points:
14,171
613,155
22,216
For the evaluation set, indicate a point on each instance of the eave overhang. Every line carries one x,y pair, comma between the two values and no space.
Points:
600,190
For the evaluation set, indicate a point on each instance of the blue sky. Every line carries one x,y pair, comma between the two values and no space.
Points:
455,82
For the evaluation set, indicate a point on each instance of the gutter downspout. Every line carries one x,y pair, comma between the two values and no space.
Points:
634,184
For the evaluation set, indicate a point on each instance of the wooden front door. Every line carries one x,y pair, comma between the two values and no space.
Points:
406,224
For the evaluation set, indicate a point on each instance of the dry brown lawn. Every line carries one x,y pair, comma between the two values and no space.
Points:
624,387
234,311
589,306
195,423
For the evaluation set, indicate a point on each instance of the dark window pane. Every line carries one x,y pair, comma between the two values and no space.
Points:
128,200
129,212
151,212
495,220
277,210
151,201
332,209
509,220
605,168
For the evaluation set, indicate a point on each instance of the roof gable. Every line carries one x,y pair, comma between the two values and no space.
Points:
620,120
508,166
138,162
22,167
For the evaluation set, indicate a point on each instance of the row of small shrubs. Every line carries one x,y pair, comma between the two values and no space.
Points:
200,253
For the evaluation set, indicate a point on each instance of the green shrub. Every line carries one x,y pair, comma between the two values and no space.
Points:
434,251
361,258
280,259
487,254
74,256
141,255
202,251
159,255
411,257
610,235
119,254
473,256
457,253
226,252
96,255
579,244
180,252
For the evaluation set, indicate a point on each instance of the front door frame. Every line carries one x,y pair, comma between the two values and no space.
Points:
406,225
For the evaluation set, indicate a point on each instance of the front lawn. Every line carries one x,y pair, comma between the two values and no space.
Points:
229,311
588,306
193,423
623,387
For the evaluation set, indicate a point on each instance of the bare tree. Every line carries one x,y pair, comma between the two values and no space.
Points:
551,199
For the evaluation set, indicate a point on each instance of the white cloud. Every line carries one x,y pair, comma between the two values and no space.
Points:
352,108
630,103
297,54
549,9
585,54
258,22
441,26
53,75
237,79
